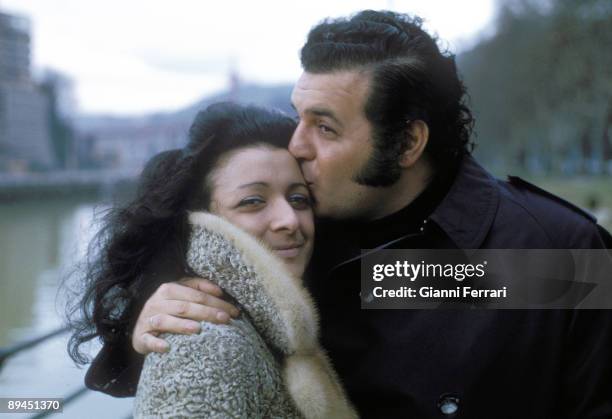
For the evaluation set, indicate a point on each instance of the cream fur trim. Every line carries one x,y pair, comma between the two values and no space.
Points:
309,376
315,388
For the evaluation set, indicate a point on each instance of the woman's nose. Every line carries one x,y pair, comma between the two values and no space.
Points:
284,217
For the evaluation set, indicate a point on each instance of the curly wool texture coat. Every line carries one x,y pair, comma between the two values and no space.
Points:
265,364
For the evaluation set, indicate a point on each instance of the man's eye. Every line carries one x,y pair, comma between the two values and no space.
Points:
299,201
326,130
251,202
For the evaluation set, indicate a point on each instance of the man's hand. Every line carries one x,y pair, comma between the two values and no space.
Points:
178,307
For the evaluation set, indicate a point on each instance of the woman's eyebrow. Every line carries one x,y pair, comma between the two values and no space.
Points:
266,184
248,185
297,185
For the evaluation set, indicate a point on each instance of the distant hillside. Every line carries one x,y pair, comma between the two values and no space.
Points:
277,96
127,142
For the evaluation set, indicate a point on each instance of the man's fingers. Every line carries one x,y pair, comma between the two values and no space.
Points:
164,323
194,311
220,304
203,285
148,343
185,293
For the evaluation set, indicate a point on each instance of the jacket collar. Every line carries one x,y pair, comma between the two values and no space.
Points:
467,211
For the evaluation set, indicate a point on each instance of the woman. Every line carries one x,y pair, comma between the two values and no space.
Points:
231,206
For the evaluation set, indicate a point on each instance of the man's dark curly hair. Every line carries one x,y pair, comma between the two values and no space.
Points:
411,79
143,244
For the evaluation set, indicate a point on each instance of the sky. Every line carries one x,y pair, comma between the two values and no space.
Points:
131,57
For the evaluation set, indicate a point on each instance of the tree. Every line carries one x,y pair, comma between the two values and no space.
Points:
541,85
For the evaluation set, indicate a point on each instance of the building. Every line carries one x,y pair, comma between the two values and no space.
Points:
14,48
25,140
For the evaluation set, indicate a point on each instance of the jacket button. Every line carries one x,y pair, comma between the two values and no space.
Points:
448,404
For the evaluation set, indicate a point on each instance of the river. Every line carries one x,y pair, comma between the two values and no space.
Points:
40,242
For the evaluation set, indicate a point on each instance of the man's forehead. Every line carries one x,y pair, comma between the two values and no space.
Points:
321,90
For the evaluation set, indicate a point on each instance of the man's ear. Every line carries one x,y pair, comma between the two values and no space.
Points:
417,136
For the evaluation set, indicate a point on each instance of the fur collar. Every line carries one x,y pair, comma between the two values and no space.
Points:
281,309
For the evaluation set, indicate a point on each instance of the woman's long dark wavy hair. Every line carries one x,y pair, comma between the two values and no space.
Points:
143,243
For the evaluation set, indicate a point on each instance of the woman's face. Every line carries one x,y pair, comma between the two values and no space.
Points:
261,190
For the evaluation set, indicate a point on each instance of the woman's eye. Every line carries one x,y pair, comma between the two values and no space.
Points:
300,201
251,202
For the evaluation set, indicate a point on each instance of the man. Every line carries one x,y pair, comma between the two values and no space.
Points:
383,140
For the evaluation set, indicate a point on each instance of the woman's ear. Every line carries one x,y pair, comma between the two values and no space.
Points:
417,137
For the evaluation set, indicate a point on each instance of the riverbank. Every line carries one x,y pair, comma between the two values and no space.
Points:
41,242
102,183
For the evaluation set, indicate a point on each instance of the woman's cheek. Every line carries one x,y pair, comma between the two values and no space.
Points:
307,223
252,223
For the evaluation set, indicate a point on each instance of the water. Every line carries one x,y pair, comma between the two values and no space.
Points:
39,244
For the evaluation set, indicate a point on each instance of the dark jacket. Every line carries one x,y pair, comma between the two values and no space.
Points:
478,363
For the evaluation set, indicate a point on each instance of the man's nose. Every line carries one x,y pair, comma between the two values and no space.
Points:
300,146
284,217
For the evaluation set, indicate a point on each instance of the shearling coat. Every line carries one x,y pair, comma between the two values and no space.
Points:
265,364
